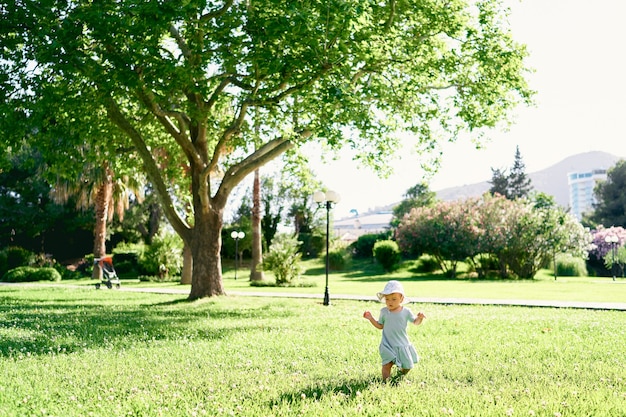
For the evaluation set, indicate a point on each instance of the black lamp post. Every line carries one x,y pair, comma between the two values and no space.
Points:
237,235
612,240
327,199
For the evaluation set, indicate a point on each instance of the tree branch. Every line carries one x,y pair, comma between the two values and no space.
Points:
152,170
218,12
180,42
178,133
263,155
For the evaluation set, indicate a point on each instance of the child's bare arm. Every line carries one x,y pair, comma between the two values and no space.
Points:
372,320
418,320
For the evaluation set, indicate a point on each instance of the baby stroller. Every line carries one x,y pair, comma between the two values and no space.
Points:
109,277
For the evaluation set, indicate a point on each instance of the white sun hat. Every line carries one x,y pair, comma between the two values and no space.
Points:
390,288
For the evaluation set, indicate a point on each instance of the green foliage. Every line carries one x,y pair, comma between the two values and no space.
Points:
448,231
387,254
570,266
610,209
426,264
521,234
163,258
499,182
30,218
514,185
337,259
207,87
128,259
288,197
13,256
417,196
311,244
363,247
283,259
31,274
520,184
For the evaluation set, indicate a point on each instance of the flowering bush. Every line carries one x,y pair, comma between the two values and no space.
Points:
600,247
520,234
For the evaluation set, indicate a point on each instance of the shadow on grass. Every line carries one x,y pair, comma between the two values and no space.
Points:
349,389
33,326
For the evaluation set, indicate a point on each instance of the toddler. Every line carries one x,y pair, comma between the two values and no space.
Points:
395,346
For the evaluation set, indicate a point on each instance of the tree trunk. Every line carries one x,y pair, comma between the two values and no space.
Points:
185,278
103,198
206,242
257,251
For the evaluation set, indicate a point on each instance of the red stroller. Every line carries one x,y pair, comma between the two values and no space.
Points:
109,277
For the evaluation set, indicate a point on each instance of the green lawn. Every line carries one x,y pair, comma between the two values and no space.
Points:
68,351
368,279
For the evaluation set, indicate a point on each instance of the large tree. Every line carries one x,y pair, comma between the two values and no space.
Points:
187,78
520,185
610,208
514,185
418,195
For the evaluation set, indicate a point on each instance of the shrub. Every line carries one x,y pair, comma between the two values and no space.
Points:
311,245
426,264
127,259
283,259
336,259
163,258
14,256
387,253
363,247
31,274
569,266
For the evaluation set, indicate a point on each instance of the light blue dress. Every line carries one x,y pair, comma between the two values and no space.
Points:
395,345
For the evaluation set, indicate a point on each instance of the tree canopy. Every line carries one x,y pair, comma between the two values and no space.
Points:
516,184
610,207
418,195
187,82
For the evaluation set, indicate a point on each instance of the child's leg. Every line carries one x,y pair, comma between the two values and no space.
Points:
387,370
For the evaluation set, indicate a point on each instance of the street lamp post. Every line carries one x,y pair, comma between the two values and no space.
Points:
326,199
612,240
237,235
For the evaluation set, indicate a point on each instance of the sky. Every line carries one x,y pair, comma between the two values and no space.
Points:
577,50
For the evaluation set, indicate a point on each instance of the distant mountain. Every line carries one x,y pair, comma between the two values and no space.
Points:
552,180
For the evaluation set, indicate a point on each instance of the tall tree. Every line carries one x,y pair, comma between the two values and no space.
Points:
520,185
187,78
257,246
514,185
610,207
417,196
499,182
107,194
273,202
28,215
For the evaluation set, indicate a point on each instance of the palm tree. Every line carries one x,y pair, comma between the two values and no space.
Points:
99,188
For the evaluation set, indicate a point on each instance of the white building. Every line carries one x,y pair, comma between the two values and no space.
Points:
581,185
349,229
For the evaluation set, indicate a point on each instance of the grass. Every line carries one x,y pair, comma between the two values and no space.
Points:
80,352
367,278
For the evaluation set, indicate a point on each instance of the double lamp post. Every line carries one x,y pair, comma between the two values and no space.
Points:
326,199
237,236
